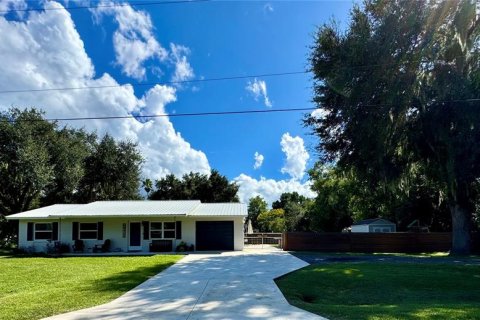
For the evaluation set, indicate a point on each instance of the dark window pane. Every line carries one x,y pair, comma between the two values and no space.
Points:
88,235
156,226
156,234
88,226
169,225
43,226
169,234
43,235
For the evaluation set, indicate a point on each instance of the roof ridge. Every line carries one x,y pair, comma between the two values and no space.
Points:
145,200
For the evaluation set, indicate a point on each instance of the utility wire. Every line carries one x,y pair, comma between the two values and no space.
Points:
193,114
107,5
260,75
155,83
216,113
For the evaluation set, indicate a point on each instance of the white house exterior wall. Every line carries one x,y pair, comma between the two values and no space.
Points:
35,245
390,227
113,230
360,228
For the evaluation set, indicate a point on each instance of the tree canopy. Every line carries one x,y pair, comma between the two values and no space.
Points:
112,172
43,164
195,186
256,206
272,221
295,207
398,98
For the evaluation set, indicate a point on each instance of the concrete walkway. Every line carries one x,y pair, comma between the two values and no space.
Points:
231,285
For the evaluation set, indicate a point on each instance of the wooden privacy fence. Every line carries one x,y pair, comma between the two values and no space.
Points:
367,242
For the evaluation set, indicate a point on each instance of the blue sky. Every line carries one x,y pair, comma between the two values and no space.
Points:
204,40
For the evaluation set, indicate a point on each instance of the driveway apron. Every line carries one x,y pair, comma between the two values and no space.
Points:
229,285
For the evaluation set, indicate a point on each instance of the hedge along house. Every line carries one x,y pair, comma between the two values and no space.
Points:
134,225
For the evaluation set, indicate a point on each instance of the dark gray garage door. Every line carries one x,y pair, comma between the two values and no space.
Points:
214,235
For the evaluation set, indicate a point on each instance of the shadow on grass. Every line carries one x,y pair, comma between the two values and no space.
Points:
313,257
386,291
127,280
27,255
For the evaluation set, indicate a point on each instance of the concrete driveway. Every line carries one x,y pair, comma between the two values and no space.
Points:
230,285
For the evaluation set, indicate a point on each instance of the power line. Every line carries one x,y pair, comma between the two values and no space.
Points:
193,114
138,84
262,75
213,113
107,5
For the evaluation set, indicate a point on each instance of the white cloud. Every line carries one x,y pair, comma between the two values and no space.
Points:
258,160
133,41
259,90
297,156
46,51
269,189
268,7
183,70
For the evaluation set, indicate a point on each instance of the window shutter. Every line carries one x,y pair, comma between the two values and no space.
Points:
146,230
55,231
178,230
74,230
30,231
100,230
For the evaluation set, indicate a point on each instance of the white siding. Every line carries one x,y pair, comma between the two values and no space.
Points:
382,227
360,228
112,229
35,245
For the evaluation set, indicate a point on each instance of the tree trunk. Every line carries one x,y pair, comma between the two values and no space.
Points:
461,223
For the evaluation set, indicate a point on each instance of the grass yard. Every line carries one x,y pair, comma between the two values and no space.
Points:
33,288
385,291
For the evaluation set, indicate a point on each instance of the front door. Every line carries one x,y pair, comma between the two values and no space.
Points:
135,242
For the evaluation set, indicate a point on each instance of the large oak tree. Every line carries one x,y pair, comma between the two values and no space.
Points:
399,93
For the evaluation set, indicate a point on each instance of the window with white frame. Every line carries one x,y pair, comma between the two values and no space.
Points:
156,230
162,230
169,230
88,230
43,231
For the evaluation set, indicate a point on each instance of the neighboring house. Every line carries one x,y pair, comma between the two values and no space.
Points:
373,225
134,225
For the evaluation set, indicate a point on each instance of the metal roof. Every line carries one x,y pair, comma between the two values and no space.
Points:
140,208
220,209
132,208
45,212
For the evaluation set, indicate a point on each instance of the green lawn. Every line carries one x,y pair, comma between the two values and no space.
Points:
33,288
385,291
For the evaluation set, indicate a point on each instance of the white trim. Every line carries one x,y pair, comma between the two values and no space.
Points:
42,231
156,230
88,230
162,230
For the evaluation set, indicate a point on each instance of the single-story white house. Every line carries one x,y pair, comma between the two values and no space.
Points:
134,225
373,225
